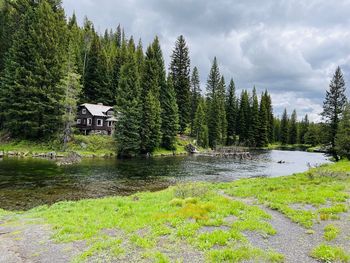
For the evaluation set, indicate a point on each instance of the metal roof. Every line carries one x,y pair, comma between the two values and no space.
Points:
97,109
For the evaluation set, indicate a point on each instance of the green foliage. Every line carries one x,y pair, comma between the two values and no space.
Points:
231,113
243,120
334,103
342,141
200,126
169,115
180,73
195,96
293,129
262,136
30,97
128,107
326,253
284,127
330,232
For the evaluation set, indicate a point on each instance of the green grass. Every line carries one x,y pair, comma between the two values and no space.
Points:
196,214
291,194
331,232
326,253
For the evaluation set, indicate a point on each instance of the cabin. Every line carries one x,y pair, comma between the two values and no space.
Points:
96,119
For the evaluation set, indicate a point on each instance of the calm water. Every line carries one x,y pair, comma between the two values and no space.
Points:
26,183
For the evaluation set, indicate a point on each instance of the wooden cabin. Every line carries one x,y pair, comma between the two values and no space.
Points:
96,119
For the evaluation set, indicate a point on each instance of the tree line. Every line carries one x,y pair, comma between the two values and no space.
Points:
50,64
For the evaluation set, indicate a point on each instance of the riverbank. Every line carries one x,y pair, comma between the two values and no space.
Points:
297,147
297,218
92,146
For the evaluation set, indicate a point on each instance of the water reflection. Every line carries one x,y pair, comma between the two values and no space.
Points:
26,183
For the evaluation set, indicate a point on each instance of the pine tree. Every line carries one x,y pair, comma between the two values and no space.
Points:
231,113
30,97
293,129
243,118
72,87
213,105
270,117
312,136
262,140
221,117
284,127
200,126
277,130
151,119
169,115
195,96
180,73
254,131
334,104
304,125
342,140
128,108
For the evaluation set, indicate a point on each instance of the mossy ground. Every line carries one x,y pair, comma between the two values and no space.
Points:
205,222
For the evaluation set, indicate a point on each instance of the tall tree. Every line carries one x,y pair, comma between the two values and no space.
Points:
213,109
70,84
303,128
334,104
128,108
270,117
180,72
169,115
255,129
150,89
221,117
200,126
263,123
195,96
342,140
284,127
30,97
293,129
231,113
243,121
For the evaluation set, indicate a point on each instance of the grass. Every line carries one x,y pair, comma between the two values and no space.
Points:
196,214
331,232
327,253
291,195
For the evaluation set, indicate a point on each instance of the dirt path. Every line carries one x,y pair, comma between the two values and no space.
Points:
28,241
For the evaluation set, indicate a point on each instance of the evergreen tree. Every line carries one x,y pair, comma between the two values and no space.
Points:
200,126
195,96
312,136
263,123
169,115
231,113
303,128
140,59
270,117
151,108
180,72
284,127
30,97
71,86
221,117
342,140
277,130
293,129
243,118
254,131
213,102
334,104
128,108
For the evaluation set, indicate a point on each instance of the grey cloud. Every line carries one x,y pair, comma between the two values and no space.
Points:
290,47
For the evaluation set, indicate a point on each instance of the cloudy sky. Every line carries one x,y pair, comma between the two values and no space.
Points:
290,47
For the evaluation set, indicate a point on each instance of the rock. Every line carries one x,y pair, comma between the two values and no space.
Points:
191,148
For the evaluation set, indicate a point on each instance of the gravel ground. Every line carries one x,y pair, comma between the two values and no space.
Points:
30,241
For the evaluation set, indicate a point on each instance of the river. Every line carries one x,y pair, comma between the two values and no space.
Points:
27,183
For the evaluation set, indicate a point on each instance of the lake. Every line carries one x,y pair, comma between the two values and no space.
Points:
27,183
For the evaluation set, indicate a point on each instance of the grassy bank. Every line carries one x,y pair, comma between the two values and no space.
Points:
86,146
208,222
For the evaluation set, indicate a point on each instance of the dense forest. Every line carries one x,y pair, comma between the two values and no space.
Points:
49,64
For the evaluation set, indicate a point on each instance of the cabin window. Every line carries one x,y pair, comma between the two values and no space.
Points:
78,121
84,121
99,122
89,122
83,111
109,124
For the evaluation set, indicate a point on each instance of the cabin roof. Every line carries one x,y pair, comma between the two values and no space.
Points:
97,109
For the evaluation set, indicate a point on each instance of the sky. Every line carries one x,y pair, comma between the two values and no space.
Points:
290,47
